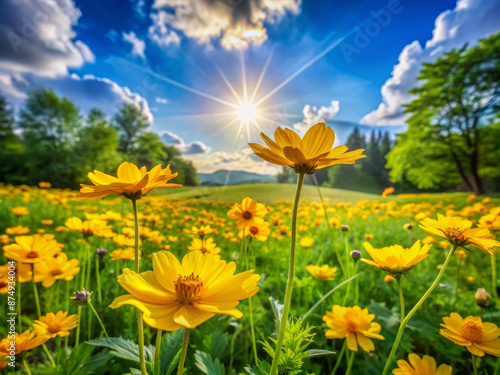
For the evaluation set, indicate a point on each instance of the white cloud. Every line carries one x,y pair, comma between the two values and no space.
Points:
238,24
470,21
244,160
192,148
313,115
138,46
37,37
162,100
161,34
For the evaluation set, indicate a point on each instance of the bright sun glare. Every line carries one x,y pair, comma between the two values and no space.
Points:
247,111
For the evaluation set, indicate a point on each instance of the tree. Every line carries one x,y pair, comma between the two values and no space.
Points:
448,119
9,141
131,123
49,125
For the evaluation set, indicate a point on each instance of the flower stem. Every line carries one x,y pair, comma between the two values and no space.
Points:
140,326
182,359
26,367
474,364
157,352
349,366
346,254
458,278
98,319
415,308
494,279
252,328
48,355
79,312
339,258
401,299
66,339
291,275
98,277
35,293
304,317
339,358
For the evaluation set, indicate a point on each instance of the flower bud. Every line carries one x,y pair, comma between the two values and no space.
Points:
388,279
82,298
461,254
344,228
408,226
482,297
355,255
100,253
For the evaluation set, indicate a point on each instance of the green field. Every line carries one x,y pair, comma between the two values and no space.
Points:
266,193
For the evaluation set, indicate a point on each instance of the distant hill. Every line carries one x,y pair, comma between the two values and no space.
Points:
223,177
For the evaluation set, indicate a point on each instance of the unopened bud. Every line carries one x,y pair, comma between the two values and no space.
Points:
355,255
100,253
482,297
344,228
82,298
388,279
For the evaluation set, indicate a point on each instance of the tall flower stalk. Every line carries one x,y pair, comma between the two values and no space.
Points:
405,321
304,156
291,275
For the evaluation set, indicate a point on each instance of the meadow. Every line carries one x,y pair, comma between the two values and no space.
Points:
223,344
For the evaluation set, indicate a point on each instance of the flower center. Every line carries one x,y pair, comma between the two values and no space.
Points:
351,326
3,284
247,215
56,272
201,233
54,327
456,234
472,330
187,289
254,230
32,254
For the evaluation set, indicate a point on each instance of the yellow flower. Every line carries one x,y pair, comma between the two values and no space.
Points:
206,245
388,279
355,325
469,279
458,232
131,182
58,324
421,366
22,342
368,236
17,230
387,191
260,231
32,249
305,155
461,254
477,336
126,254
98,228
306,242
19,211
248,213
202,231
176,295
491,220
52,269
395,259
44,185
324,272
23,271
47,222
122,241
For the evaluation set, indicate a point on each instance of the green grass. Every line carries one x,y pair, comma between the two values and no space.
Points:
266,193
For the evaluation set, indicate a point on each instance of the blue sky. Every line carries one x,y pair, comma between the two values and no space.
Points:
344,63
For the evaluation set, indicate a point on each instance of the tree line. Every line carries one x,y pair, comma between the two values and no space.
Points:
453,136
50,140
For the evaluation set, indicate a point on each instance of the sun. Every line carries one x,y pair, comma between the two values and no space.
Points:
247,111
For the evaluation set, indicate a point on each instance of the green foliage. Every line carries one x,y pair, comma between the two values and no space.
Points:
207,365
450,120
170,351
60,146
295,343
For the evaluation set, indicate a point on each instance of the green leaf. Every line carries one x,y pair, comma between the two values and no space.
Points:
207,365
277,310
170,351
262,369
317,353
215,344
125,349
